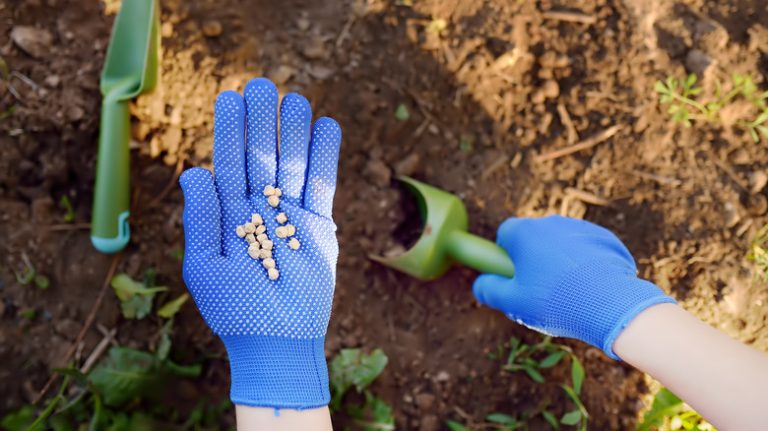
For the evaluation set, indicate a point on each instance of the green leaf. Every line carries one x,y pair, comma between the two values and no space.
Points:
575,398
660,87
763,131
690,80
374,415
137,307
571,418
501,418
455,426
551,360
753,134
551,419
577,373
762,118
170,308
42,281
665,403
534,374
20,420
126,287
164,345
126,374
401,113
66,205
353,368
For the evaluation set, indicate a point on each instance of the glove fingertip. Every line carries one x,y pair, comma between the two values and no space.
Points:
489,289
195,177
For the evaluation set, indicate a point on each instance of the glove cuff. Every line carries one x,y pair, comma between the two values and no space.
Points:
277,372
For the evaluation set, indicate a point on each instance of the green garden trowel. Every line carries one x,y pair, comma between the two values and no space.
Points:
129,70
444,239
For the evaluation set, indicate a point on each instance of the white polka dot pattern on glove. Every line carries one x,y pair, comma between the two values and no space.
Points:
232,290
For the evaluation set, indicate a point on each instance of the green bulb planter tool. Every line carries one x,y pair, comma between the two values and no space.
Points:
130,69
444,239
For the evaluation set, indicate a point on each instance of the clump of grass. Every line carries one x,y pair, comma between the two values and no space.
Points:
352,368
687,104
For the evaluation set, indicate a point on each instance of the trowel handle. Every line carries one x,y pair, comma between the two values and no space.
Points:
480,254
109,224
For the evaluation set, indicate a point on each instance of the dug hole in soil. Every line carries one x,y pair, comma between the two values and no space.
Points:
502,83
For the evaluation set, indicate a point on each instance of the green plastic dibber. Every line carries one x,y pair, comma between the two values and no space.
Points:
445,240
131,68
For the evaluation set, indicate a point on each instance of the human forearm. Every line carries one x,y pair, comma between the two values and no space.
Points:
269,419
719,377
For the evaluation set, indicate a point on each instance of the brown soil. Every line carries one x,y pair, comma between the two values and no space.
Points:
500,85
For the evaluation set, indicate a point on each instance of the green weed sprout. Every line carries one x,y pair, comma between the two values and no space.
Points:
758,253
532,359
30,275
351,368
684,106
669,413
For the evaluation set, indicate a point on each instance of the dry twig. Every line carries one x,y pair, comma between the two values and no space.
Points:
87,325
570,17
583,145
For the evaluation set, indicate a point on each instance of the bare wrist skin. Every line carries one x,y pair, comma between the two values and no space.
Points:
721,378
269,419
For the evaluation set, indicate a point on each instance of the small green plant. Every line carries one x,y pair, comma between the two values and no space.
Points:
121,392
682,96
29,275
351,368
136,297
401,113
669,413
532,359
66,205
758,253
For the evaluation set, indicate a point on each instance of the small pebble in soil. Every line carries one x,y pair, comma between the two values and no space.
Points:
268,263
240,232
281,218
269,190
273,201
212,28
273,274
267,244
281,231
294,244
249,228
256,219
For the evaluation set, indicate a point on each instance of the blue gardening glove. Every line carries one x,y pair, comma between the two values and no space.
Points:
572,279
273,330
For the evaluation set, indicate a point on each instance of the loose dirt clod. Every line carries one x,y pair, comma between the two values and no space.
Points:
240,232
260,229
281,218
290,229
273,273
281,231
269,190
268,263
273,201
267,244
256,219
294,244
250,238
249,228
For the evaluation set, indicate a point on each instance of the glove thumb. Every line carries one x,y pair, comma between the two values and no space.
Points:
497,292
